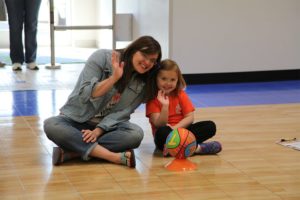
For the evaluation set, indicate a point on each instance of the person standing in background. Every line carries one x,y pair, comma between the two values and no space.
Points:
2,18
23,13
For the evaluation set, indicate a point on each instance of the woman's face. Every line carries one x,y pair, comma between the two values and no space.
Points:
143,62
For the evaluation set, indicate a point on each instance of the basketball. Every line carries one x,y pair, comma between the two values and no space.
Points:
181,143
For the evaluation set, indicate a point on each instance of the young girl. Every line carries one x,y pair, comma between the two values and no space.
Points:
169,108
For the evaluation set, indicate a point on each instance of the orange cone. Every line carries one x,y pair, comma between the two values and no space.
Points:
181,165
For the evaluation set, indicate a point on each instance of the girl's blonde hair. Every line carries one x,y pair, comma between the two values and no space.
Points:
168,65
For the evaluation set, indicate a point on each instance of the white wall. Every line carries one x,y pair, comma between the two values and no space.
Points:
150,17
84,14
4,34
210,36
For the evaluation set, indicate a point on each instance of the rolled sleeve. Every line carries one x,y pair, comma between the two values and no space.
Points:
95,71
85,92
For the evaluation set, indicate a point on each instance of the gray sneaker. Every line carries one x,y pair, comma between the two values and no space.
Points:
32,66
17,67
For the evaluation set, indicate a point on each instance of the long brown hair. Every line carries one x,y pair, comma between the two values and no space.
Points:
168,65
145,44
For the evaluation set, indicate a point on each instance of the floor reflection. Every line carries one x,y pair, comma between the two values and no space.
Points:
47,102
32,102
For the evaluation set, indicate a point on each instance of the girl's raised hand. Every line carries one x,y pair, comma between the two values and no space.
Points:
162,97
116,65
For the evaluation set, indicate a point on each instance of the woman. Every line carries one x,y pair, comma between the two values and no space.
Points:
94,122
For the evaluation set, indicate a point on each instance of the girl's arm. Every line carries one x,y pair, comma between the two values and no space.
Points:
161,119
185,122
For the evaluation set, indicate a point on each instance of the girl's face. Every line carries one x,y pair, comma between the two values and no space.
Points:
143,62
167,80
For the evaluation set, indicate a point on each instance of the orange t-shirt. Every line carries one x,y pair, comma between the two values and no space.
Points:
179,106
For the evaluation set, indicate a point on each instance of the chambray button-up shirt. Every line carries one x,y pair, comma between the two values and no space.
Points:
81,107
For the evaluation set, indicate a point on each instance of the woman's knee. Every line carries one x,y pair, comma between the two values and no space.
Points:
49,125
138,136
135,136
54,129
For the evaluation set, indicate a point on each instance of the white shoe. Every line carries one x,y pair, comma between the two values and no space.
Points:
32,66
17,67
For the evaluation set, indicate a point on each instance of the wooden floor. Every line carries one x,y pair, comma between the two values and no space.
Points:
251,165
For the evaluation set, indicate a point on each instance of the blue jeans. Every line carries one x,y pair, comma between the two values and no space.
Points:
66,134
23,13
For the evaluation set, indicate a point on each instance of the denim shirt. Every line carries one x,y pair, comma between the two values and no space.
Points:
81,106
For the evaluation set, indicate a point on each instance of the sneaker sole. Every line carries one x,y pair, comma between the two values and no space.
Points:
35,68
